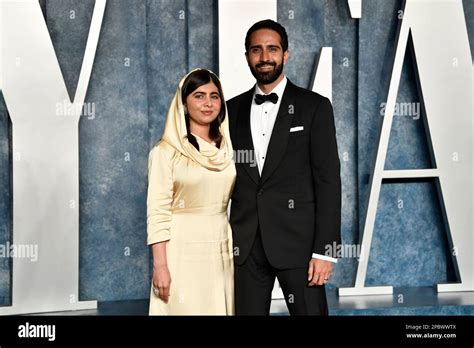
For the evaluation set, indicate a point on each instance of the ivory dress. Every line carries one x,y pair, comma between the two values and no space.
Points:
188,194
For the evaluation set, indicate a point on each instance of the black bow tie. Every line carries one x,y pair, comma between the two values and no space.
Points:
260,99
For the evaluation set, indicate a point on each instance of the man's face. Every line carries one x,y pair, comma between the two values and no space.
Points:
265,56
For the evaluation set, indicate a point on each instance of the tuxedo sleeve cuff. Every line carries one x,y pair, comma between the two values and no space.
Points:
324,257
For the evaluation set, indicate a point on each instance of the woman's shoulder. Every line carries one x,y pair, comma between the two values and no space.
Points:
163,149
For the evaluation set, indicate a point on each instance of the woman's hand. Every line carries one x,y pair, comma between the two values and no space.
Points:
161,282
161,274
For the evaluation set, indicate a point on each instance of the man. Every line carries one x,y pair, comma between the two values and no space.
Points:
286,209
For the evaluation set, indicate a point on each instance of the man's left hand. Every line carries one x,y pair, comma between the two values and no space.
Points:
319,271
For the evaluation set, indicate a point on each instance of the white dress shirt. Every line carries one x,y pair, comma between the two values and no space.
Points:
262,120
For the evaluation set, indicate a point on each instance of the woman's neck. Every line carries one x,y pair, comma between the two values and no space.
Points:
201,131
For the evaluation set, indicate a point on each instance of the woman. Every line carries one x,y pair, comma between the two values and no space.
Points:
191,176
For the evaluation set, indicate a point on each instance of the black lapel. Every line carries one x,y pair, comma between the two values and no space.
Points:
244,138
280,133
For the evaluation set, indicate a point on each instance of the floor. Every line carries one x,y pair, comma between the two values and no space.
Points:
404,301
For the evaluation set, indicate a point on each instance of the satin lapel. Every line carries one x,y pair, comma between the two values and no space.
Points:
244,138
280,133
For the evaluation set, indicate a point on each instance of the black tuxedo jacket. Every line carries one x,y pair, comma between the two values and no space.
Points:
296,202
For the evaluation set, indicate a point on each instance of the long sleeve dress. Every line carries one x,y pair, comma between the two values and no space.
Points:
187,206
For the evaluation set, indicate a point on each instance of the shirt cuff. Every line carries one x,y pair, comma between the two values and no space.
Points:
157,237
324,257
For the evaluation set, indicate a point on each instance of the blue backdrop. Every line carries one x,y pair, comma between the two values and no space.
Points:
146,46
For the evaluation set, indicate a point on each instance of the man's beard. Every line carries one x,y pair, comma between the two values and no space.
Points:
267,77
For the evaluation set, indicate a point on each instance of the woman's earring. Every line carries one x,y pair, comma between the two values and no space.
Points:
185,109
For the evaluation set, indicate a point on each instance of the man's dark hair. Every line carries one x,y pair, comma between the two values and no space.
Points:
268,24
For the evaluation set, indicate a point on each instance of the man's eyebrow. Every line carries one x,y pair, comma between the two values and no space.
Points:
260,46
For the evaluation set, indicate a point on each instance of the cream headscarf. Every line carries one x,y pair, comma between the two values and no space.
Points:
175,134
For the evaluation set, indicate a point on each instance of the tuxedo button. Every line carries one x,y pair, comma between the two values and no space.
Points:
260,192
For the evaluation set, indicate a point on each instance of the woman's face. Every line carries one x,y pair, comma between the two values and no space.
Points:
204,104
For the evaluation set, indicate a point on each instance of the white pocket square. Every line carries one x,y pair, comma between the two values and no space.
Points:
296,129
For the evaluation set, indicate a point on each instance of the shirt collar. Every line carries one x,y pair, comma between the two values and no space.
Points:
279,89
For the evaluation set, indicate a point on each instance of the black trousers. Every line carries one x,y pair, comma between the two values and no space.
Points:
254,281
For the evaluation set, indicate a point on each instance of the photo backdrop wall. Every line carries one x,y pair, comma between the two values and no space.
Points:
146,46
